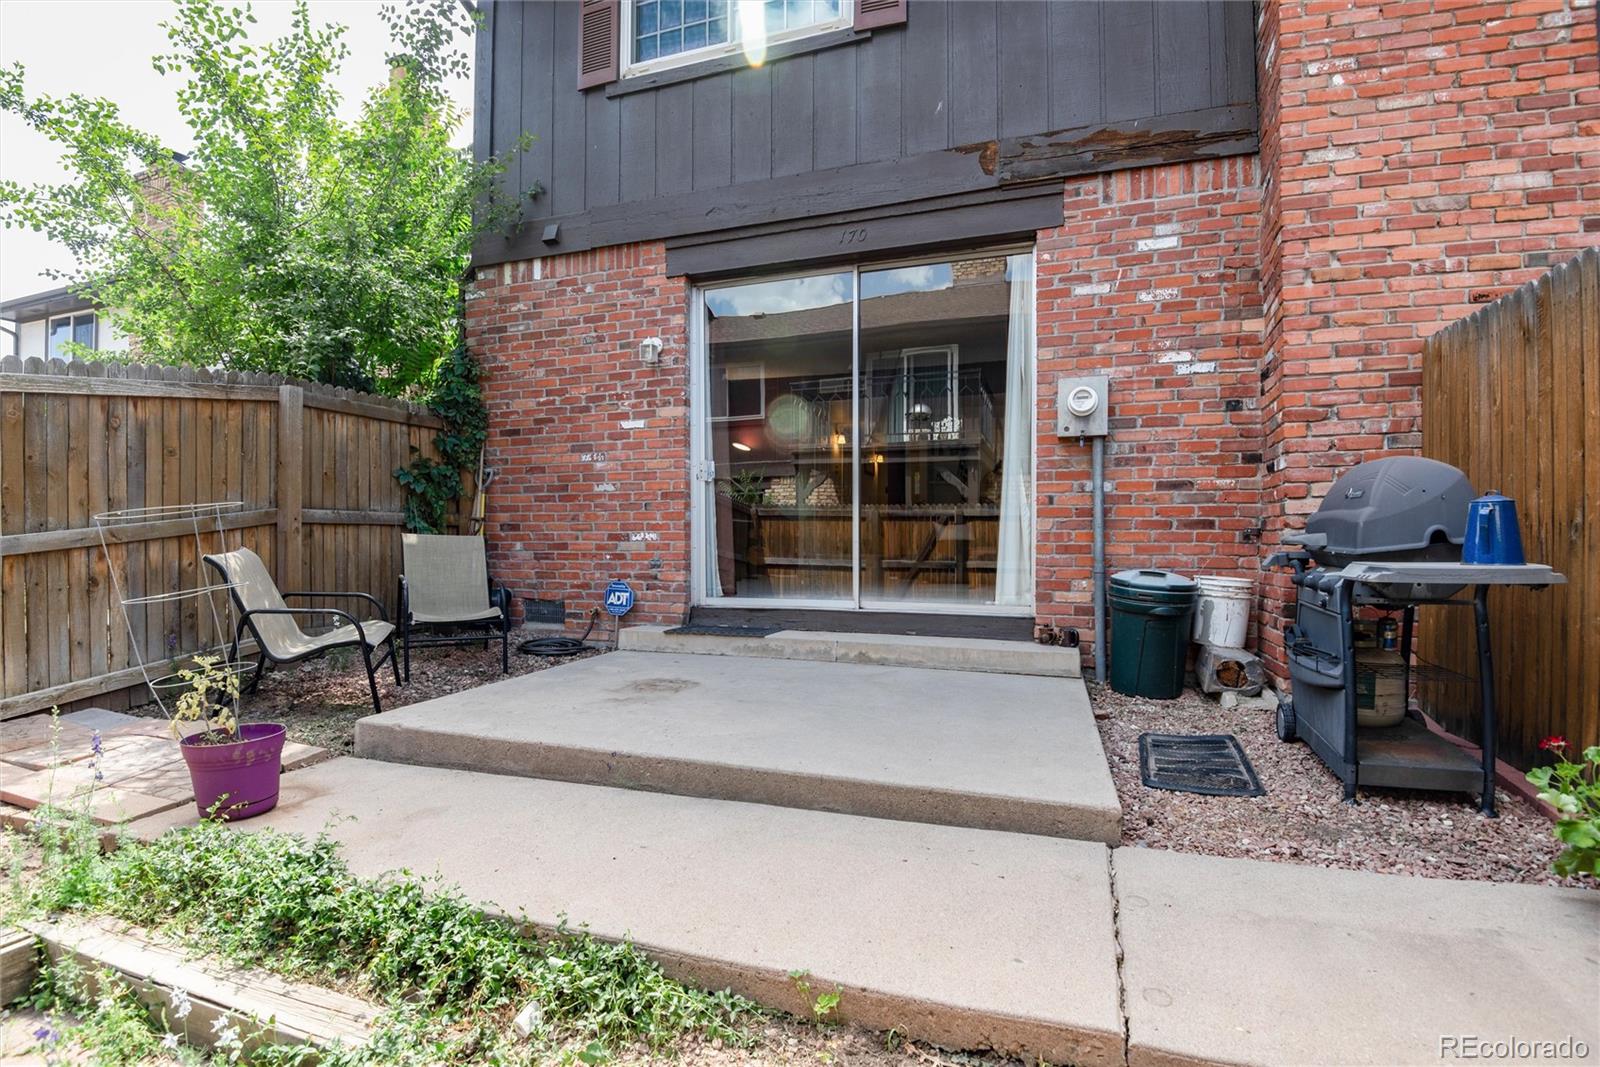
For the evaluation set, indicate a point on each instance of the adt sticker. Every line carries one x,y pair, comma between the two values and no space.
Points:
619,597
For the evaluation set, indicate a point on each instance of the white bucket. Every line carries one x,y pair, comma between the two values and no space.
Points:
1222,615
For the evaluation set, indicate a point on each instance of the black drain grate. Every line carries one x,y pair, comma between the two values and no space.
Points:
711,630
1212,764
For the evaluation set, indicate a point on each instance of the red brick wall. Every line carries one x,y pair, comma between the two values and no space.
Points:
1427,156
589,445
1275,587
1153,280
1262,319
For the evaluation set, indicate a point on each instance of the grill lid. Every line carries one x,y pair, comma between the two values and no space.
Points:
1399,506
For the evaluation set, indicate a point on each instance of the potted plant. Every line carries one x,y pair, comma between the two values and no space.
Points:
234,768
748,491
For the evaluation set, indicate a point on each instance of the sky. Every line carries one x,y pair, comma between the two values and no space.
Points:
823,290
103,48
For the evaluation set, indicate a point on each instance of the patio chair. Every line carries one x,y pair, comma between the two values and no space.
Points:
264,612
446,597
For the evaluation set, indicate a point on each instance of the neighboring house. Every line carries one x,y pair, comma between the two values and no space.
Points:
791,335
44,323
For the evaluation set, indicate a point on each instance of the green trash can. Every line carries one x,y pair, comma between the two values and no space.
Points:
1150,619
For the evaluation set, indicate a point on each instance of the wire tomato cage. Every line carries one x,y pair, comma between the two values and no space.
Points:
209,526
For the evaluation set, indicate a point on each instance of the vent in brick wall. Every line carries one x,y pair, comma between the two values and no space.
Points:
536,610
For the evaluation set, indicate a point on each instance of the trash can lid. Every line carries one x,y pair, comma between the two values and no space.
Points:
1152,581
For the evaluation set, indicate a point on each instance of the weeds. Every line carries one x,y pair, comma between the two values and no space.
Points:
452,975
110,1025
822,1004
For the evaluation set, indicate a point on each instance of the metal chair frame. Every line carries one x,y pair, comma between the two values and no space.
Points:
372,665
437,633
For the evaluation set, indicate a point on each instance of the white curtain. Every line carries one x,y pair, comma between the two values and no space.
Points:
713,562
1013,584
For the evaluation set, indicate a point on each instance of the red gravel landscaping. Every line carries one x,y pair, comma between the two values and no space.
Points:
1302,818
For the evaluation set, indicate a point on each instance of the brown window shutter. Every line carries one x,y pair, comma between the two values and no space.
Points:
597,42
870,14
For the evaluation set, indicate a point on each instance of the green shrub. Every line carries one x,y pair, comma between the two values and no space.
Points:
1573,789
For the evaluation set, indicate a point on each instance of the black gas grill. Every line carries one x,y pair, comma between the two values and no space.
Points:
1389,510
1386,539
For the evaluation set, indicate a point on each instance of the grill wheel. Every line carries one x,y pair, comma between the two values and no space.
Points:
1286,720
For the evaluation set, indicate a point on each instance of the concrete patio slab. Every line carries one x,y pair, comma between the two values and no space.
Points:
966,938
888,650
1003,752
1243,962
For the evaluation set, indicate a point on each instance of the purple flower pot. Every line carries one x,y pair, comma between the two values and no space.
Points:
242,775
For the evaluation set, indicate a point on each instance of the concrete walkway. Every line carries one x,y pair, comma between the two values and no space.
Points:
966,937
1240,961
975,938
1015,752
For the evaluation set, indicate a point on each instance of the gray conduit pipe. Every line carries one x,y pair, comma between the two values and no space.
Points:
1098,473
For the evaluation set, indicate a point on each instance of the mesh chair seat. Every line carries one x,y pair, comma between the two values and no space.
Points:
447,578
372,633
279,636
455,616
446,583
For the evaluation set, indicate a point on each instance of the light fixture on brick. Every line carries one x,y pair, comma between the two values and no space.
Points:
650,351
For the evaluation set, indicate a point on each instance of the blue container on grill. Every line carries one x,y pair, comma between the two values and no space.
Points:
1493,536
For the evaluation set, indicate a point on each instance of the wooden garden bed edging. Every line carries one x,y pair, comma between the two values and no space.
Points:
267,1009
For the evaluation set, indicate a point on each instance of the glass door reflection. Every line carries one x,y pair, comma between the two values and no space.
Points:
780,435
946,441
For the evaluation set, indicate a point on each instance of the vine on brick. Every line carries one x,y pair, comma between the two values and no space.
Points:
431,485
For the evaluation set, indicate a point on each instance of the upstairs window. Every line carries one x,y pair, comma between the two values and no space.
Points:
658,34
79,328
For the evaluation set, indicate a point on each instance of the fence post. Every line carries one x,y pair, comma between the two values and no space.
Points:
291,485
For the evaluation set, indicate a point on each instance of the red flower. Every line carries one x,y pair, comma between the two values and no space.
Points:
1553,743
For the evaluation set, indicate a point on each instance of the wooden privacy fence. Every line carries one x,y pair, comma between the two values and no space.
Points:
312,465
1511,395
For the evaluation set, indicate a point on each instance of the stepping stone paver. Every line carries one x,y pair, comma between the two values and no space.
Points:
141,765
102,719
128,756
29,788
32,731
296,755
170,780
49,755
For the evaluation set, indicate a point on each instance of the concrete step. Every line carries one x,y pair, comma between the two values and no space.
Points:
884,650
965,938
993,751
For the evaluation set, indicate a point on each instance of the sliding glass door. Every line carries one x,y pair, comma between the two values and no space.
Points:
864,438
778,424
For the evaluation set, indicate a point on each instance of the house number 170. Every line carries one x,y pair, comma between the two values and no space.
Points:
853,237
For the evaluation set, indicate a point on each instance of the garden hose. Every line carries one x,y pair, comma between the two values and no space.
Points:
557,646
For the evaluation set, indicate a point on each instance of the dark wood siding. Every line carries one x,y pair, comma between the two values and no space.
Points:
967,78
